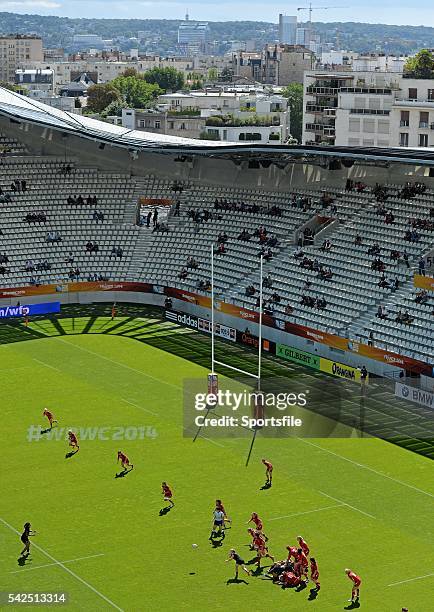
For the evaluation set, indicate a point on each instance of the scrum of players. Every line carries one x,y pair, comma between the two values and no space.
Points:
296,570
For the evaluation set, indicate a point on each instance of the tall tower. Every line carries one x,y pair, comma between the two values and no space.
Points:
287,29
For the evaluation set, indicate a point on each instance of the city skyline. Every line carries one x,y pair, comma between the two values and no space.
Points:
388,12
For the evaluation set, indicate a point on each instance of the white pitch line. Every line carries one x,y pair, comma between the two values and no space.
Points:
366,467
119,363
47,365
138,406
73,574
345,504
212,441
35,567
410,580
276,518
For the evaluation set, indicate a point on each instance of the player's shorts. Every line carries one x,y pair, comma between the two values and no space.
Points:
218,523
240,562
24,540
357,584
168,498
269,469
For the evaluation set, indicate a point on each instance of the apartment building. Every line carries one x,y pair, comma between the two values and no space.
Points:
15,51
382,109
35,80
412,116
274,65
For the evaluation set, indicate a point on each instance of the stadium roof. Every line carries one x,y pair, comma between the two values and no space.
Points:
20,108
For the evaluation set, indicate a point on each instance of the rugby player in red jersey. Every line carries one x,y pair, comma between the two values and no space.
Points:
73,442
357,581
50,417
261,549
268,471
301,564
167,493
125,462
255,519
314,573
303,545
292,552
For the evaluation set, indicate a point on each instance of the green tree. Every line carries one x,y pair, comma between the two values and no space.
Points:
101,95
420,66
294,93
136,92
168,79
131,72
226,74
212,74
114,109
197,84
13,87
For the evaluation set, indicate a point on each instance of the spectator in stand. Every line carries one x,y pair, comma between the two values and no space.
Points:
422,266
371,338
289,309
177,208
148,219
250,291
222,238
405,259
192,263
358,240
422,297
374,249
381,312
389,218
155,217
383,282
326,245
244,236
268,282
183,274
168,303
221,249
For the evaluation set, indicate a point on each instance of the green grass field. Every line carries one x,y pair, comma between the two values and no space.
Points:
360,503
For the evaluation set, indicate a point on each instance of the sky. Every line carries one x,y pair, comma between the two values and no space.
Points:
400,12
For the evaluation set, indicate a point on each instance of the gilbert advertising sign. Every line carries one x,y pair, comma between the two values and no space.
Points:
297,356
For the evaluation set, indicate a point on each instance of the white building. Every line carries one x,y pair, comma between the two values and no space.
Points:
382,109
39,79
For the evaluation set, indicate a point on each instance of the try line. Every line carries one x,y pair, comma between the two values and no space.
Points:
35,567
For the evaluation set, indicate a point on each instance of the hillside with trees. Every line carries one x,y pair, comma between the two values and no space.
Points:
161,34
